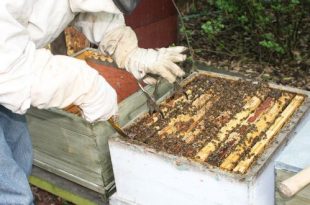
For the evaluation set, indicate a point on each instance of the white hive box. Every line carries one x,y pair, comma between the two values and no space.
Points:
144,176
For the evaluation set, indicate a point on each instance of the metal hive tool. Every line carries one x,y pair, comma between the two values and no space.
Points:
151,101
151,98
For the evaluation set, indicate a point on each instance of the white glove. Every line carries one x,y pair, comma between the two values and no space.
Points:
160,62
122,44
60,81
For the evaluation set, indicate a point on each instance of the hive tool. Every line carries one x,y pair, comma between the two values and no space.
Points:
114,123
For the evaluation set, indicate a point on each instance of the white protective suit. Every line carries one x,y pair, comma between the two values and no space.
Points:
31,75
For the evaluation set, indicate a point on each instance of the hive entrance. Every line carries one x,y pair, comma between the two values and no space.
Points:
224,123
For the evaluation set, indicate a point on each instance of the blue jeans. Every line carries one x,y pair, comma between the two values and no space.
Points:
15,159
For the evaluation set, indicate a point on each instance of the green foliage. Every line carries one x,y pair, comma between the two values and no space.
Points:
226,5
185,31
270,43
273,46
212,27
273,26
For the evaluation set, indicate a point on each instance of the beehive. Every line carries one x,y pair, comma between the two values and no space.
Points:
222,123
228,128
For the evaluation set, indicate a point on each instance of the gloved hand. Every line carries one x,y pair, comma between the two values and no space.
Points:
160,62
60,81
122,44
100,102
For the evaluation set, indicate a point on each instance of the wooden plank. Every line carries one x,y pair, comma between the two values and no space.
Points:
197,119
189,136
94,54
301,198
80,175
171,128
168,107
211,146
74,147
261,125
259,147
65,189
235,137
47,186
201,100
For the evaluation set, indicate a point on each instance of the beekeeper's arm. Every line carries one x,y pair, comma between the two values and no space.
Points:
108,29
31,76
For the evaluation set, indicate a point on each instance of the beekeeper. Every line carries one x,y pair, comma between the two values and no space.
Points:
31,76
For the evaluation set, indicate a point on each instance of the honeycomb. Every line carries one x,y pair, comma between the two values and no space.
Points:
223,123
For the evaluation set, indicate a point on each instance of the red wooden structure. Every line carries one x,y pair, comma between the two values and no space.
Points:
155,23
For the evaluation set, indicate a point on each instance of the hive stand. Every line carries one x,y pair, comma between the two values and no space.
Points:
64,188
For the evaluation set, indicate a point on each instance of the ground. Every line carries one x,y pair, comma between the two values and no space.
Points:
44,198
235,50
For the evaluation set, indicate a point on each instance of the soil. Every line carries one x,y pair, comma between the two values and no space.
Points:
227,97
240,55
42,197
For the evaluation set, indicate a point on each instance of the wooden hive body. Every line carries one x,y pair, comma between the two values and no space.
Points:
67,145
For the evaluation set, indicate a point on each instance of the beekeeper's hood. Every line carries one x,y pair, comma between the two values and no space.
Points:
126,6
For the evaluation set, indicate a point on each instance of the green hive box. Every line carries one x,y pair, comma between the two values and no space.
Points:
68,146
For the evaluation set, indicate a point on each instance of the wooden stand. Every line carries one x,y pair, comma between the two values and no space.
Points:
64,188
